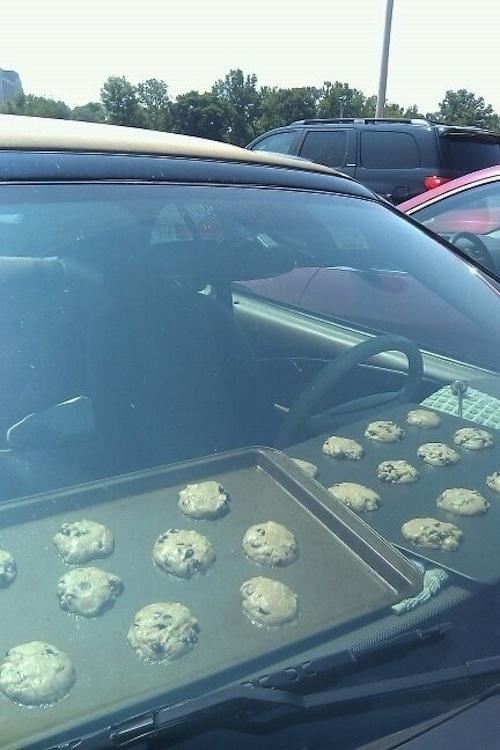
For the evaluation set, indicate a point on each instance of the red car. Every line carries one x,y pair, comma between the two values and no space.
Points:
466,212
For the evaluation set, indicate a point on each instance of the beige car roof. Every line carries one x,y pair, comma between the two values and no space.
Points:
44,134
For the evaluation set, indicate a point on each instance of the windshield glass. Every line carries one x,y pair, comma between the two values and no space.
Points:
475,209
145,325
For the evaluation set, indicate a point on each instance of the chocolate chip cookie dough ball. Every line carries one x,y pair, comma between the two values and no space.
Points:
183,553
163,631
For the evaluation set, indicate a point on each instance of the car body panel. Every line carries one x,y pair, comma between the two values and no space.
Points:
473,178
42,134
26,166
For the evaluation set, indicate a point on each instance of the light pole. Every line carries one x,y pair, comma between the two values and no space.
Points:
384,64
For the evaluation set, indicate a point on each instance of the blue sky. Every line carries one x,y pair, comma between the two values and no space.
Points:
67,48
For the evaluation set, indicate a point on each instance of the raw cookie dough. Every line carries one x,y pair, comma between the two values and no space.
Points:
270,543
204,500
88,591
341,447
493,481
183,553
268,602
81,541
423,418
35,673
397,472
437,454
384,431
8,569
432,534
163,631
473,438
357,497
306,466
462,502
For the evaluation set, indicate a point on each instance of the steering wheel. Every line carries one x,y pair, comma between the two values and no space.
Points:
329,376
475,248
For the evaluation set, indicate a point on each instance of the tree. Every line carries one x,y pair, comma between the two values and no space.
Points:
413,112
90,112
204,115
239,91
37,106
283,106
153,99
119,98
462,107
340,100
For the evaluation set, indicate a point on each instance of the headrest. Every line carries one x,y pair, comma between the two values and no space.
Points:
222,261
214,261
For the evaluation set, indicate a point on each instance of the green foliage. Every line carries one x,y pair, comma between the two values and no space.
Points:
153,99
119,98
340,100
36,106
204,115
235,110
413,112
239,92
91,112
462,107
283,106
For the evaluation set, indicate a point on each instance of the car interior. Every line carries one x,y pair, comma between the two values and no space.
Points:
141,341
142,329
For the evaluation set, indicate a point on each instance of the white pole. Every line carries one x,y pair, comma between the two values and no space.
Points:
384,64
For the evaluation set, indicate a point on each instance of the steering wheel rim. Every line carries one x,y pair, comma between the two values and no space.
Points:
324,381
480,253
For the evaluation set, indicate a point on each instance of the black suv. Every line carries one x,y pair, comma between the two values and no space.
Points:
396,158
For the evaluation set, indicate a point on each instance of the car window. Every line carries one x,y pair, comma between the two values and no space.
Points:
336,256
280,143
325,147
368,282
388,150
468,154
144,354
475,209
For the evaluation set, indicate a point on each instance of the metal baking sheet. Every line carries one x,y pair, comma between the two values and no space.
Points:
344,572
477,557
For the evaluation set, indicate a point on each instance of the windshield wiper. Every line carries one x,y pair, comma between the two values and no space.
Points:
263,694
351,657
246,703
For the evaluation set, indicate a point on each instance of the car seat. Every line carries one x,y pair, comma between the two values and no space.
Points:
170,374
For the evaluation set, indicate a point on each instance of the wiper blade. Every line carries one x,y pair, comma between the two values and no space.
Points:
268,690
260,701
262,696
351,657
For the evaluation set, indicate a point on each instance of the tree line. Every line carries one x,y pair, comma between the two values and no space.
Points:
236,109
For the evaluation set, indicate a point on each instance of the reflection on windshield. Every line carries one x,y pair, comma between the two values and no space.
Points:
151,335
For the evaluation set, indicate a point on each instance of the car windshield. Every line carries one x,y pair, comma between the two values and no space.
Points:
152,336
474,209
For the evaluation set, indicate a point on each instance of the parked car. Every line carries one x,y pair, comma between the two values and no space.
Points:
398,159
465,211
161,316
